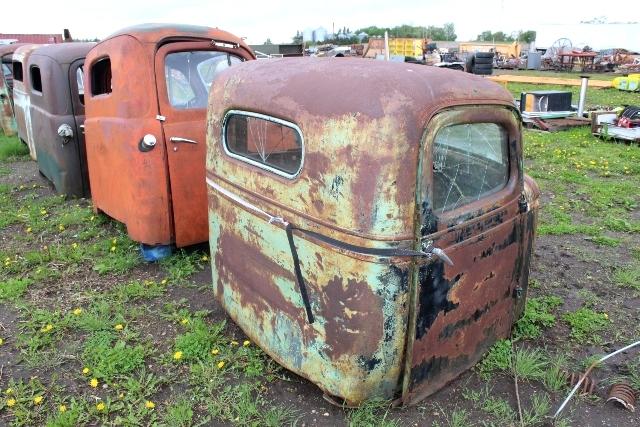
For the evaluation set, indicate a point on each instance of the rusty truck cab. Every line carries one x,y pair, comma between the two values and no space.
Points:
385,232
146,98
21,96
57,113
7,120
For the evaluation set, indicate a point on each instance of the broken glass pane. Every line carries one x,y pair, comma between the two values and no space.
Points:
470,161
264,142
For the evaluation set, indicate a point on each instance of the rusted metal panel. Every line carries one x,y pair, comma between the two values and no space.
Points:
57,108
21,97
377,319
134,186
7,122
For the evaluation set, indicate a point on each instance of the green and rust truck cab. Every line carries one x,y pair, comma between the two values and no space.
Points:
370,223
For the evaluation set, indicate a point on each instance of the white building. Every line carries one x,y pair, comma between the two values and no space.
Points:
598,36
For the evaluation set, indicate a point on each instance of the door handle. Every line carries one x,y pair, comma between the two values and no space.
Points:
176,139
432,251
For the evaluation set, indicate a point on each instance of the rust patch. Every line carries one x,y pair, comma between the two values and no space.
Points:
347,308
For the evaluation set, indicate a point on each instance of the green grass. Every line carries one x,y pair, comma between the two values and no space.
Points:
374,412
12,149
12,289
107,355
537,315
594,184
586,324
628,277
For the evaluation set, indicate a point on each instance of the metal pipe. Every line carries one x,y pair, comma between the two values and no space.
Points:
583,94
593,365
386,46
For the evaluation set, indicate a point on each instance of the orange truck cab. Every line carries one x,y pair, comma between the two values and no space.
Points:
146,100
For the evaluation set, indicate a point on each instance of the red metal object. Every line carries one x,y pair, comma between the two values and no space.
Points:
159,191
624,395
387,326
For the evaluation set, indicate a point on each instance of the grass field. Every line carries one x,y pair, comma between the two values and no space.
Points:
90,335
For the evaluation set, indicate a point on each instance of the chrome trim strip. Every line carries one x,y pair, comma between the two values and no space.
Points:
253,162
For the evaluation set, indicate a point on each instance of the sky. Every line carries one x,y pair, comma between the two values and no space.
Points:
279,20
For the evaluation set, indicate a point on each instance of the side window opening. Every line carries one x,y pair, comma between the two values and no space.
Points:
470,161
263,141
101,77
36,79
189,76
17,70
80,82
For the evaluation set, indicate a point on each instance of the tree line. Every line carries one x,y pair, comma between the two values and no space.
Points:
445,33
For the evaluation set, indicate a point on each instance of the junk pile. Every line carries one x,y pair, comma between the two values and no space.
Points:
625,125
551,110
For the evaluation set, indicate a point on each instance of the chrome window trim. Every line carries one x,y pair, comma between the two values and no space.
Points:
251,161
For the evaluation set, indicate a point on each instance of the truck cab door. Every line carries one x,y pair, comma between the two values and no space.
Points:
469,193
184,72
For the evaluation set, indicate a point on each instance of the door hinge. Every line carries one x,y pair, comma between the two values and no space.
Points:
522,204
161,118
517,292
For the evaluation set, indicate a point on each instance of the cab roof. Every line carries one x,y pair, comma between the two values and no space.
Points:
304,88
10,48
156,33
64,53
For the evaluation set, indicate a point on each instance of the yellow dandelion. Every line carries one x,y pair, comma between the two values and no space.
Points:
234,343
22,187
119,327
94,382
177,355
62,408
114,241
43,211
74,245
47,328
215,351
149,404
86,371
100,406
113,248
61,227
38,400
221,364
606,316
246,343
121,396
77,312
205,258
164,281
28,229
11,403
185,321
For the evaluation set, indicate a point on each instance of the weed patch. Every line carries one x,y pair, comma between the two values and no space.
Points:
586,324
537,315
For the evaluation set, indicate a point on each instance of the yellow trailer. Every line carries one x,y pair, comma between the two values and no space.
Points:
510,50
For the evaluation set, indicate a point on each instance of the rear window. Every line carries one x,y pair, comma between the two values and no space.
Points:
101,77
17,70
189,76
36,79
470,161
267,142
